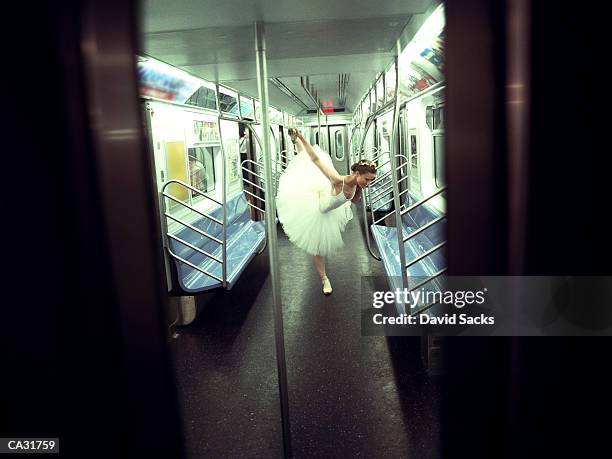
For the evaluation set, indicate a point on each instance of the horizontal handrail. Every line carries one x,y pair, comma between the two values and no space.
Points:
378,197
253,184
210,217
386,181
423,228
423,201
388,152
384,189
194,266
255,207
424,308
386,174
429,279
193,228
250,161
380,219
179,182
378,178
252,173
364,149
260,162
426,254
191,246
383,164
276,173
388,201
255,196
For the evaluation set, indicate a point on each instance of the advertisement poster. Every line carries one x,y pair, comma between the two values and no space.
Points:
416,80
422,61
431,58
233,160
162,81
204,132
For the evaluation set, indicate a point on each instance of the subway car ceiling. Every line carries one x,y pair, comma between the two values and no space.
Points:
321,39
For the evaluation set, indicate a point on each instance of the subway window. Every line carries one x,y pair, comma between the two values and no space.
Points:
201,169
339,139
438,144
246,107
415,177
204,97
380,92
229,103
438,118
373,99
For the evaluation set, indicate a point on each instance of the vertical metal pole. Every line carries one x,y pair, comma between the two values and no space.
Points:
262,85
518,26
394,175
223,193
366,195
404,142
365,134
327,135
517,115
319,123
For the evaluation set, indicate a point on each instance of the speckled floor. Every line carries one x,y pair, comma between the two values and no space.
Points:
349,395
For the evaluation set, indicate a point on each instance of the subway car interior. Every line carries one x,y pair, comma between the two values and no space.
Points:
159,304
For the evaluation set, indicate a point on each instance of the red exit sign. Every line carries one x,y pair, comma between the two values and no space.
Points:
328,106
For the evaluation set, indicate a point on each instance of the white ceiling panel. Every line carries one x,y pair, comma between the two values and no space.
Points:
164,15
283,40
321,39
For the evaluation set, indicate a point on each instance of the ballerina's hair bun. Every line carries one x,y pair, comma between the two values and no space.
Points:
364,166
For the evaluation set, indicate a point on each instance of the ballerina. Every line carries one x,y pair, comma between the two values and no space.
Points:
313,201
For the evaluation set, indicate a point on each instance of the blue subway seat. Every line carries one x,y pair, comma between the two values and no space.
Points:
244,238
429,238
386,240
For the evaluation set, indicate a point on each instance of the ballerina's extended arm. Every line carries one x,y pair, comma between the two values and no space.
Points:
328,171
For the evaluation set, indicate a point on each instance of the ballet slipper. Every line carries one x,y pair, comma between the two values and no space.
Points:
327,288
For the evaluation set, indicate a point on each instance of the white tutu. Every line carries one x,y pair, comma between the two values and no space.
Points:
300,188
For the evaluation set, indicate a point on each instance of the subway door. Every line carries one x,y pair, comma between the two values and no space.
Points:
158,159
323,142
339,148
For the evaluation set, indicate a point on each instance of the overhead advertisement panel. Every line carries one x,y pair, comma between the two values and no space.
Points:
162,81
421,63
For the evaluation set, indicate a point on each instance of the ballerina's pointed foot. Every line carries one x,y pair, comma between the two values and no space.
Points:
327,288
